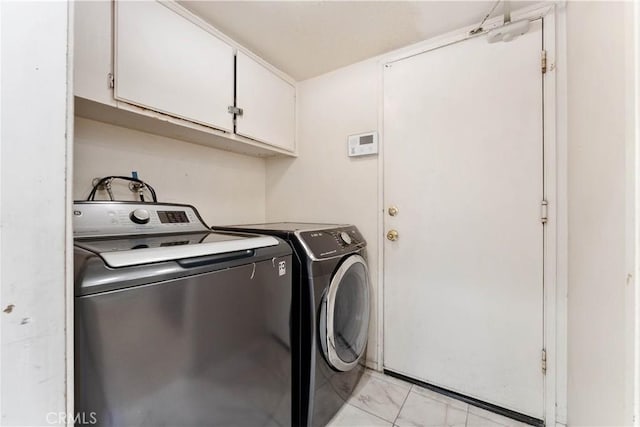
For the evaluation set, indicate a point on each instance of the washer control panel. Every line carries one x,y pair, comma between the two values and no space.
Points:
97,219
332,242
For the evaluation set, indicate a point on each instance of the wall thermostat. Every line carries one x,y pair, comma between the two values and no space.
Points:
363,144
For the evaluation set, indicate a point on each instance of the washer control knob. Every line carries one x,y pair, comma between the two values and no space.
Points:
344,236
140,216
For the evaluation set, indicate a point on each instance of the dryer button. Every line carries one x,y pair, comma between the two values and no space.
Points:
345,237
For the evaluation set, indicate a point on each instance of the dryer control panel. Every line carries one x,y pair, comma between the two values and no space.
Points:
329,243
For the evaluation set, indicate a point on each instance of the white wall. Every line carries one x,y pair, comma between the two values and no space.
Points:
599,392
323,184
34,211
226,188
633,211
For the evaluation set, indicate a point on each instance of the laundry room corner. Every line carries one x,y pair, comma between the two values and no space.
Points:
324,182
225,186
320,214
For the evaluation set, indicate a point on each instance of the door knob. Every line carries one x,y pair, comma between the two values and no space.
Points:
393,211
392,235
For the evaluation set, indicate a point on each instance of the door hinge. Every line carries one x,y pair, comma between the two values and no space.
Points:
544,361
543,61
235,110
544,211
111,81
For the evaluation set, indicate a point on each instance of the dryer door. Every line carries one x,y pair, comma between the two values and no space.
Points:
344,318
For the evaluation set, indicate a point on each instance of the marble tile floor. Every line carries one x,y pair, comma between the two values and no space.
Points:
381,400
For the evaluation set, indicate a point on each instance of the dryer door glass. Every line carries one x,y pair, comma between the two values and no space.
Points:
347,314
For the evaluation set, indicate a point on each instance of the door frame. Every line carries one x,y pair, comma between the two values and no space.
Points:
555,192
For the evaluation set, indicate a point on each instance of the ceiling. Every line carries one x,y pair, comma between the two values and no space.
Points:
308,38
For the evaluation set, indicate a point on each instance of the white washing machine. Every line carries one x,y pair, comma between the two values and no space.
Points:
177,325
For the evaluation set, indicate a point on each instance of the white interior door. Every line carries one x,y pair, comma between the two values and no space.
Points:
463,164
166,63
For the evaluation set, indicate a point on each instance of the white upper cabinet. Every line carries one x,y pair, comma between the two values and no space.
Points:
166,63
92,51
156,67
267,102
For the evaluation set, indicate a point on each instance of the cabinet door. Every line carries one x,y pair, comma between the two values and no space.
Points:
92,50
166,63
268,104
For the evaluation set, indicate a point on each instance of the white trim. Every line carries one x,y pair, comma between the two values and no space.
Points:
1,323
555,144
381,232
630,337
636,347
556,99
555,303
69,288
531,13
633,179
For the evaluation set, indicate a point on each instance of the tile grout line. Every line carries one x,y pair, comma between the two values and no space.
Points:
377,378
382,377
466,418
396,382
486,418
444,399
402,406
367,412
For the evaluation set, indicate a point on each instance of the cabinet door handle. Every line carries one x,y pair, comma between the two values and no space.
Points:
235,110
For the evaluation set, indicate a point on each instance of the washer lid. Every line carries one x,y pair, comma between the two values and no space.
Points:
147,249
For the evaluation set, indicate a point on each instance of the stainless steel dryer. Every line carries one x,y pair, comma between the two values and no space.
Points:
331,274
177,325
